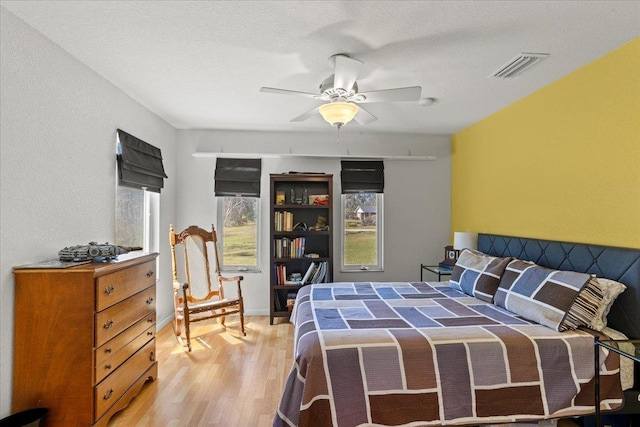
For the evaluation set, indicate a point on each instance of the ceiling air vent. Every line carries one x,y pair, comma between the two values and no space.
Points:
518,64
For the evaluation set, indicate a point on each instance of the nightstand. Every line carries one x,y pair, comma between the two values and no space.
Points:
435,269
611,346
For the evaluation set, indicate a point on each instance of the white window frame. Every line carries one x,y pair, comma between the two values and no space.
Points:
150,222
379,265
220,233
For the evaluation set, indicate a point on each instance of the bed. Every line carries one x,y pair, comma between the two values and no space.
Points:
414,354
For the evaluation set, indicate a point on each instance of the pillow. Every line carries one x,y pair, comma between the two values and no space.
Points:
610,291
626,364
539,294
585,308
477,274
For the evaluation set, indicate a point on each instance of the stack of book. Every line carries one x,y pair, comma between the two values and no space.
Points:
283,221
289,248
284,278
316,273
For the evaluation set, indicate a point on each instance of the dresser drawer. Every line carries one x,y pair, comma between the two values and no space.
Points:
114,287
117,318
122,349
109,348
114,386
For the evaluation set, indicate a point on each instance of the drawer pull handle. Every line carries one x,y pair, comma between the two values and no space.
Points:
150,320
109,290
107,367
150,333
152,356
108,324
150,300
149,273
107,350
108,394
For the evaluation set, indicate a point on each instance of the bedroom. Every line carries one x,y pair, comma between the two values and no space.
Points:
53,131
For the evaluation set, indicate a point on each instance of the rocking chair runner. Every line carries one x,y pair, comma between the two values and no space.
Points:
196,299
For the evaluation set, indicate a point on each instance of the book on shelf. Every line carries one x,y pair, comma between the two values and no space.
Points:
283,221
281,274
284,278
289,248
309,272
320,272
316,273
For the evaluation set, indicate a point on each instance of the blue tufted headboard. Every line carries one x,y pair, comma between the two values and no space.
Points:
620,264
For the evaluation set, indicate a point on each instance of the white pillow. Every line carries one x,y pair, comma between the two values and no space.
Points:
610,291
626,364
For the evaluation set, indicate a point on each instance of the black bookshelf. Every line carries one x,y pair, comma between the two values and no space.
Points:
298,200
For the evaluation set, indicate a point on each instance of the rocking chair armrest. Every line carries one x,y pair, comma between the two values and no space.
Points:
231,279
177,286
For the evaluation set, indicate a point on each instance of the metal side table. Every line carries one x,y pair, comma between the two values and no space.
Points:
611,346
440,271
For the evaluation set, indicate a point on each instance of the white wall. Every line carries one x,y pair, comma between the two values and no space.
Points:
416,199
57,162
57,139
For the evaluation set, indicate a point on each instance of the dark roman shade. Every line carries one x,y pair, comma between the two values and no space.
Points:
362,177
139,164
238,177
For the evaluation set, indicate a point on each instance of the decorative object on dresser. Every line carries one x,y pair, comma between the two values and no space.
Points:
84,338
94,252
195,299
301,236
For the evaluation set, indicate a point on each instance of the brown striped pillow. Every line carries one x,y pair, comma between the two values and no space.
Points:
585,308
540,294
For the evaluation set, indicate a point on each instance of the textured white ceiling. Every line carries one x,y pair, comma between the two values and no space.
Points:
200,64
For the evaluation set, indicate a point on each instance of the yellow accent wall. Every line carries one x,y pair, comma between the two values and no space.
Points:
560,164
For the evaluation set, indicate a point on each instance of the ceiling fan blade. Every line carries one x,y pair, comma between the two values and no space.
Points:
346,72
411,93
304,116
287,92
364,117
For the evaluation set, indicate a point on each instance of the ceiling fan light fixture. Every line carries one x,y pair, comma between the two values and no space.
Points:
338,113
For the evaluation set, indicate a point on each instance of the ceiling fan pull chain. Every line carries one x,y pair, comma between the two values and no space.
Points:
338,140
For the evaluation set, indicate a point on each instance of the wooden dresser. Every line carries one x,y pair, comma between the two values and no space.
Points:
84,338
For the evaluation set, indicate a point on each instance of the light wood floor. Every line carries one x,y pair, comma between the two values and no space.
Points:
227,379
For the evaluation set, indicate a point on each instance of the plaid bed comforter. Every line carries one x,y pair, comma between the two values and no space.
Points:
420,354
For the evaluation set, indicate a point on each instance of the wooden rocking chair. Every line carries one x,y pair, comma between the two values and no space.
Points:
196,299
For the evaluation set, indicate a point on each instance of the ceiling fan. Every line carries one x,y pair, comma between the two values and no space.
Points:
340,91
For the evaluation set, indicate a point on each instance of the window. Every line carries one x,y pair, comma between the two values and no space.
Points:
237,186
129,216
362,189
137,218
362,232
140,178
238,233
